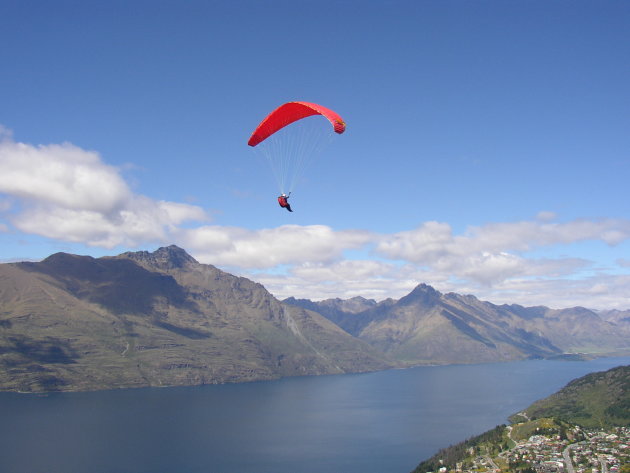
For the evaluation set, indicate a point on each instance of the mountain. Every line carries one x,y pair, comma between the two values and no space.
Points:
597,400
427,326
157,319
621,317
347,313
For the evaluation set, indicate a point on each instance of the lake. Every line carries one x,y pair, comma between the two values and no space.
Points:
384,422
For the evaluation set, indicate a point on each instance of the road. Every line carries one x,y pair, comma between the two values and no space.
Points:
492,463
566,454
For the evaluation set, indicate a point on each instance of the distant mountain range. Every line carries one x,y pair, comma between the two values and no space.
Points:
429,327
160,319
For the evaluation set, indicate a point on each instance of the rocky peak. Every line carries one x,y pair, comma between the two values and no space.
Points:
168,257
423,294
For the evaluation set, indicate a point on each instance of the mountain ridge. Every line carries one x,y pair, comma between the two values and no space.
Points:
428,325
161,318
157,319
596,400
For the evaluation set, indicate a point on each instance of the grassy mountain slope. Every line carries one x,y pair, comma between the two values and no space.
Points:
595,400
154,319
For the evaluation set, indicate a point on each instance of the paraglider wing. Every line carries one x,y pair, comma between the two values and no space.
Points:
289,113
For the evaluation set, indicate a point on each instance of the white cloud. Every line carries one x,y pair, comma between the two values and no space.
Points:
490,267
427,244
61,175
141,221
522,236
596,292
67,193
267,248
495,252
343,279
343,271
490,261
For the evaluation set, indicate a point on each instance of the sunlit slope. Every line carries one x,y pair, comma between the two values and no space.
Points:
427,326
595,400
156,319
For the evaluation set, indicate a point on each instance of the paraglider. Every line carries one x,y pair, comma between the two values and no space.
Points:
291,112
289,141
284,202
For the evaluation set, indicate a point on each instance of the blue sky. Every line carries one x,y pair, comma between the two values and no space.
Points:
486,151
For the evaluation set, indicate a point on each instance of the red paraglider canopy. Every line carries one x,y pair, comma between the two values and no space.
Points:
291,112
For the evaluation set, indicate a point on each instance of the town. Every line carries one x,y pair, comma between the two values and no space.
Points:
578,450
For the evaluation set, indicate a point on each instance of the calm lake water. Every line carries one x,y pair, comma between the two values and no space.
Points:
385,422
